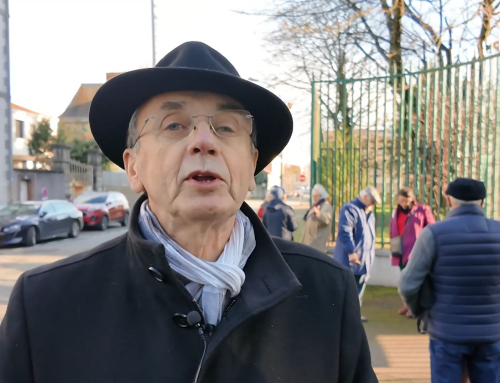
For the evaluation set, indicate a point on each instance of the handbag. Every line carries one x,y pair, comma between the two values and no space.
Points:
397,242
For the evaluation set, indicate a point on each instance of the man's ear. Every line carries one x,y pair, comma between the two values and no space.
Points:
252,185
130,162
448,201
482,203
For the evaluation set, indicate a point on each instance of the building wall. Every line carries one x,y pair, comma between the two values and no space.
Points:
75,130
5,112
118,181
37,180
30,120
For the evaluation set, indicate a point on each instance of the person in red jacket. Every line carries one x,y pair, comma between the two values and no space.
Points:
263,207
407,223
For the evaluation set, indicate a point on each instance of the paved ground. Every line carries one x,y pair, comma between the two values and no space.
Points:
399,353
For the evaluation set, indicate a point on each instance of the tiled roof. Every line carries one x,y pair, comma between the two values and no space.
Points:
78,109
17,107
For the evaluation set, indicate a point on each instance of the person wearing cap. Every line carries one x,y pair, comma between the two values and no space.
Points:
196,290
279,218
355,244
459,259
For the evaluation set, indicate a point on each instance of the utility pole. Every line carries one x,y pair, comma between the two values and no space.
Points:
153,30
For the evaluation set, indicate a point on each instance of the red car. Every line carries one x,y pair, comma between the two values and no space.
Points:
101,208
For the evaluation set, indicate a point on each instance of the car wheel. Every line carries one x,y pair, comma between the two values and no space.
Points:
30,237
75,229
125,220
104,223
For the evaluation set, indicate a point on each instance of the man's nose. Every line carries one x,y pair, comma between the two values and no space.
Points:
203,139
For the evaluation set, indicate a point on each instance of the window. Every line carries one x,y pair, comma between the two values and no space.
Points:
19,128
48,208
62,207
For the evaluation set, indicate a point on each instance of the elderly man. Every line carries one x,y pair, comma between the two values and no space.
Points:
279,218
460,257
196,291
355,245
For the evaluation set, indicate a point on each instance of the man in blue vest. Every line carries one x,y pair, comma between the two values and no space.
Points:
461,258
355,245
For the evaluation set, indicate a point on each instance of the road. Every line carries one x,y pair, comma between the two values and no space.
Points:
15,260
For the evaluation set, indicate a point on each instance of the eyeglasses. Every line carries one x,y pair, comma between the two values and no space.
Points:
178,124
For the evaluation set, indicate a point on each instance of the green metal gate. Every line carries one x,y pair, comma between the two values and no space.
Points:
419,129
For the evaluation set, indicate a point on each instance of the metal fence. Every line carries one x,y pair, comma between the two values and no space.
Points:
419,129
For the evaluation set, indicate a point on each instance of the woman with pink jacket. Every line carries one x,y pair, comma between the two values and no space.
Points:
407,223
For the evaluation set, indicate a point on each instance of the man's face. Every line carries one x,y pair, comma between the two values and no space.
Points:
404,202
316,197
200,176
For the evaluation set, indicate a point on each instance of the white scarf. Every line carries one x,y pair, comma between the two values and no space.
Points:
210,281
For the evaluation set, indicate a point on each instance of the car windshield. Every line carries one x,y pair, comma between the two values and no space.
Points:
91,199
19,209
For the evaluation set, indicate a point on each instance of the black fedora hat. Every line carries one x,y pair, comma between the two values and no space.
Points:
191,66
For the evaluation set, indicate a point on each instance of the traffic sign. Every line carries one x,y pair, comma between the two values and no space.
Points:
302,178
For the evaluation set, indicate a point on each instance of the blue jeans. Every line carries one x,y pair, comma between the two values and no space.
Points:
448,360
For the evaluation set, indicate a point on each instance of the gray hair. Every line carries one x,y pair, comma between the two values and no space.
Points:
459,202
321,190
132,132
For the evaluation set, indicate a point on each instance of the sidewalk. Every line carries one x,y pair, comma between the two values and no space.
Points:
399,353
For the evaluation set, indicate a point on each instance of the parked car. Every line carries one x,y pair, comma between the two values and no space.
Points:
101,208
30,222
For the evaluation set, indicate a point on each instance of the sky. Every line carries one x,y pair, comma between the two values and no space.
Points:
56,45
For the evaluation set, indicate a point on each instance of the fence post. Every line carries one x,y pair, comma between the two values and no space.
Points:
94,158
61,163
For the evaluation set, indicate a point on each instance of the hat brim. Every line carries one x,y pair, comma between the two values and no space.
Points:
115,102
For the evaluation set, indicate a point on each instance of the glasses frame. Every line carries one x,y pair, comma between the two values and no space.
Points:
195,116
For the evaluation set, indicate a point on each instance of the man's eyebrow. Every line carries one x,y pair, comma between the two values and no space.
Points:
172,105
229,106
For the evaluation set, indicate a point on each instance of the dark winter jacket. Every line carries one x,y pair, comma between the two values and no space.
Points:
466,278
356,234
279,219
107,316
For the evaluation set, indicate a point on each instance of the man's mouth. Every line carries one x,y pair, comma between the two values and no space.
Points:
204,177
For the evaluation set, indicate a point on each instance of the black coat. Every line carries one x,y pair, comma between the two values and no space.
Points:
279,220
103,317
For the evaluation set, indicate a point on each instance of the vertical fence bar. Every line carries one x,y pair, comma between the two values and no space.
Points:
480,120
360,114
375,165
496,157
435,91
451,134
393,129
402,112
342,190
351,135
335,151
442,124
487,139
328,119
472,152
409,132
466,130
384,148
368,135
458,127
312,175
426,129
416,137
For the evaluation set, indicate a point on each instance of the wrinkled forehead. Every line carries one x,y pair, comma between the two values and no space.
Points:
192,101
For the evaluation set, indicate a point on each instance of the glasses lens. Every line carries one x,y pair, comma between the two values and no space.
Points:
176,125
232,123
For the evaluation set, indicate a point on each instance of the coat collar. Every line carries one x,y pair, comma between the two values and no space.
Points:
269,280
466,210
